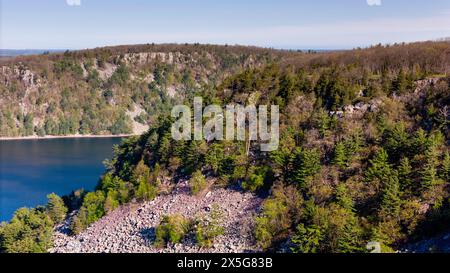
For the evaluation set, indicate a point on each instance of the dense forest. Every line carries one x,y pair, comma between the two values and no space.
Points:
363,156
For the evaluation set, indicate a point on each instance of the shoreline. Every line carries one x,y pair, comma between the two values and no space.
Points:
65,136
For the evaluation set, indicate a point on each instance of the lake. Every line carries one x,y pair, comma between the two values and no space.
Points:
31,169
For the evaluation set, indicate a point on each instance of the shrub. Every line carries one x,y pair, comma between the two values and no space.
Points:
208,228
146,191
197,182
92,209
171,229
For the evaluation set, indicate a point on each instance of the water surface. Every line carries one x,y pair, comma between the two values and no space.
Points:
31,169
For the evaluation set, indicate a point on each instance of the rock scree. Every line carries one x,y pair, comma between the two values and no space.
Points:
131,228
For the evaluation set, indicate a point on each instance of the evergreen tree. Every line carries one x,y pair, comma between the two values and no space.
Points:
379,169
306,163
307,239
404,175
145,190
390,201
111,201
429,171
214,157
56,208
340,158
197,182
342,197
445,173
401,83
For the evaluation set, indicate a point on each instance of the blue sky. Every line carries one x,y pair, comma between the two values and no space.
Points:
320,24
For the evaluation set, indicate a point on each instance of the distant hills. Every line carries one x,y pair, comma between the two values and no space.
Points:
21,52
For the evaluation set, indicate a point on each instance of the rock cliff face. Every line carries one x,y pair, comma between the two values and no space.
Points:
131,228
93,92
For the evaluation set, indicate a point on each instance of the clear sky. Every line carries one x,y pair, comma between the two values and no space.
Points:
320,24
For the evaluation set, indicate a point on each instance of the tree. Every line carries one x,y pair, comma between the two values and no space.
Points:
307,239
306,163
197,182
56,208
390,201
429,170
445,173
94,204
342,197
340,155
401,83
404,175
29,231
279,212
214,157
146,191
111,201
380,170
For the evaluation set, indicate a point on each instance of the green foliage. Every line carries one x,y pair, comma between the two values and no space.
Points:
342,197
197,183
389,162
404,175
429,171
307,239
340,158
120,76
56,208
390,201
146,191
214,157
306,163
380,170
256,179
29,231
91,210
209,227
279,213
445,174
171,229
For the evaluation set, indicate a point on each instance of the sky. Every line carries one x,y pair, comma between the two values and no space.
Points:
288,24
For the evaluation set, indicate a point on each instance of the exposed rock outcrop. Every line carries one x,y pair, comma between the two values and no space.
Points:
131,228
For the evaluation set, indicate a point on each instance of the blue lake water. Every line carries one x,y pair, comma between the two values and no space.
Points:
31,169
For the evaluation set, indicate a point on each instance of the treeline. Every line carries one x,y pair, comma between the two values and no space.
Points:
31,230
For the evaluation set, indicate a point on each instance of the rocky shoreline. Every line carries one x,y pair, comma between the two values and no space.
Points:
131,228
35,137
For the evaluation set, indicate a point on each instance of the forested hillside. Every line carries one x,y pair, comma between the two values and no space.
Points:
117,90
363,155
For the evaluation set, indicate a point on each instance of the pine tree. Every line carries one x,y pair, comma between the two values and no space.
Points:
445,173
306,163
343,199
307,239
340,155
401,83
145,190
111,201
380,168
429,172
56,208
390,201
404,175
